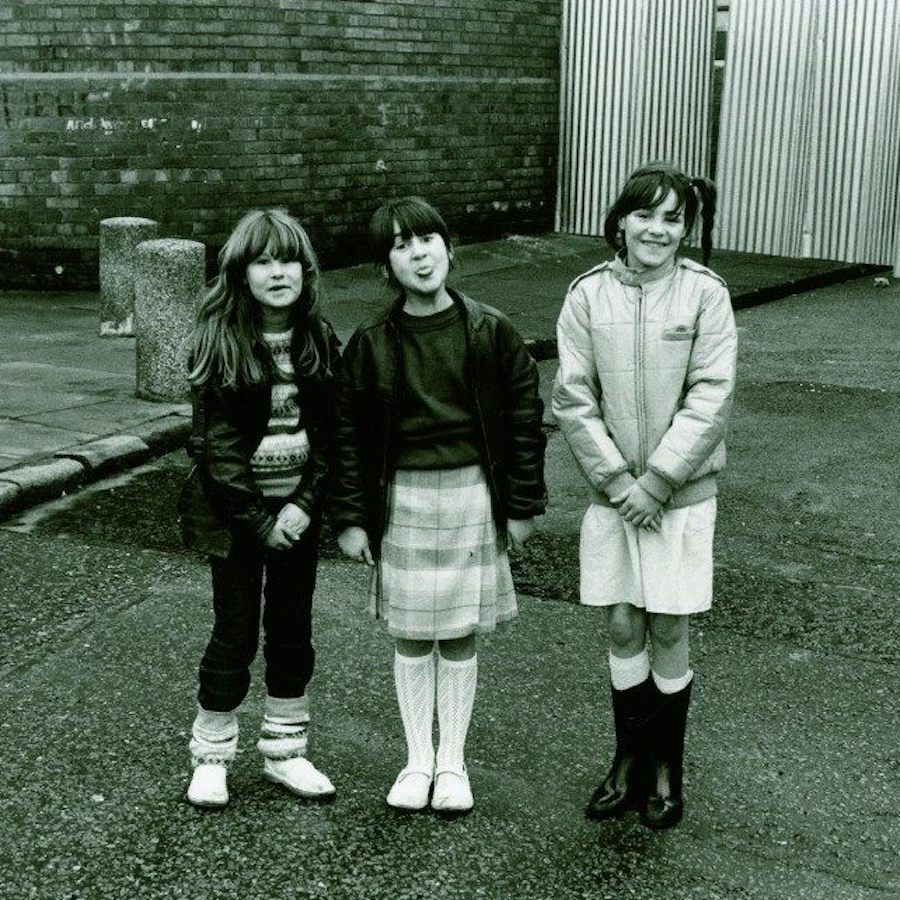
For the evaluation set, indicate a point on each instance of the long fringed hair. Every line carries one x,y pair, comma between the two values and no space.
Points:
227,344
649,186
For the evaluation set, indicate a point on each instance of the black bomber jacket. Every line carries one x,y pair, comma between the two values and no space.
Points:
220,497
503,381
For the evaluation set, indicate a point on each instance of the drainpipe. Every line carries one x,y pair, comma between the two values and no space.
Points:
815,73
897,249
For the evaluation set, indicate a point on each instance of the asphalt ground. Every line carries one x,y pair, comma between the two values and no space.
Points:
792,765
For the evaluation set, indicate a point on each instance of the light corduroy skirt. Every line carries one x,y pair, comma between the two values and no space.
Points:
669,571
443,571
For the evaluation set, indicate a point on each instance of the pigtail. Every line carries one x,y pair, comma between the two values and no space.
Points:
706,192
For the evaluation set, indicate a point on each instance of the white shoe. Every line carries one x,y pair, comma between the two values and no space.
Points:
208,788
452,792
410,789
300,777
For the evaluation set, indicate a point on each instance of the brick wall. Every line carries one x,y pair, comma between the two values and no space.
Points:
191,111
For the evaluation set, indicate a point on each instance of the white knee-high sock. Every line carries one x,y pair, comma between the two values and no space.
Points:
456,683
673,685
628,672
414,679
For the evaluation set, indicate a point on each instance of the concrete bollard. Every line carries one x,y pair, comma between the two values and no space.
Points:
169,283
118,238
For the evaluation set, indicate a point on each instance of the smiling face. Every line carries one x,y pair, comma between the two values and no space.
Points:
276,285
420,264
654,234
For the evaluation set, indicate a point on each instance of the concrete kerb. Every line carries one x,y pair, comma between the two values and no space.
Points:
39,482
28,485
107,455
167,433
746,299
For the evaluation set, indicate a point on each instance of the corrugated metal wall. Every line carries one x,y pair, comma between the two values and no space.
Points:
636,81
809,159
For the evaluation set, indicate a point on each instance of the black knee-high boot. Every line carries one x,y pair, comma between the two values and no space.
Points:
621,789
665,804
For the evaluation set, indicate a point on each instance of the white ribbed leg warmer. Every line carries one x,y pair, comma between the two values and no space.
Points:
456,683
214,737
284,727
414,680
282,742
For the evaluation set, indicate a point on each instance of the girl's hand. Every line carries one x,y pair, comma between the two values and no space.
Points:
635,505
354,542
278,538
293,520
519,531
656,522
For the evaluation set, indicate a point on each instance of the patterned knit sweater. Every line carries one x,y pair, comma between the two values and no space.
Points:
277,462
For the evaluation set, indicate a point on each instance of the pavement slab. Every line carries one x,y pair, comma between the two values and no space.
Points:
23,440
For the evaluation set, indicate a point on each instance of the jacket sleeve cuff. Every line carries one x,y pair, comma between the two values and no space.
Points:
262,525
618,484
655,485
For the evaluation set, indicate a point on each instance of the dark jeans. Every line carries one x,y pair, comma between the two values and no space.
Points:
238,591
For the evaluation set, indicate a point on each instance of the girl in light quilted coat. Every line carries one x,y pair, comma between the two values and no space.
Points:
647,354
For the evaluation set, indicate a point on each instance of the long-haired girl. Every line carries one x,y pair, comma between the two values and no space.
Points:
647,352
262,373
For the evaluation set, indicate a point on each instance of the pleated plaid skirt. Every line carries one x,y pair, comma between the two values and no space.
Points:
444,571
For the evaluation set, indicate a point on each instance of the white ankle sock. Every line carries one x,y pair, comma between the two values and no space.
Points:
456,683
673,685
414,680
628,672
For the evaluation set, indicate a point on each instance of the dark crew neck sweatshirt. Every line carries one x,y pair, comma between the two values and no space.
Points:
437,428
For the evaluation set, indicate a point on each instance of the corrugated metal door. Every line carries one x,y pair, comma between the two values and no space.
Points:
636,86
809,159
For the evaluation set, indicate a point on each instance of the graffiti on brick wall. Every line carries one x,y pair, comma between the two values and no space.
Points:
71,112
152,123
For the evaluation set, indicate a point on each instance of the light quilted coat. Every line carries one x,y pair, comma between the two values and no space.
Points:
646,379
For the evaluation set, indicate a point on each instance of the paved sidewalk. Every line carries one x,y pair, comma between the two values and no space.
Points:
68,414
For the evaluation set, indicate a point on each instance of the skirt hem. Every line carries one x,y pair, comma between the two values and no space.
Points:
449,634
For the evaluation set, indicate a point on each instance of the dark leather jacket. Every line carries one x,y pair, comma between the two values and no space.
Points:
503,379
220,498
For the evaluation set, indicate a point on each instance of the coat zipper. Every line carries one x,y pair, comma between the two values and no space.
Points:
639,397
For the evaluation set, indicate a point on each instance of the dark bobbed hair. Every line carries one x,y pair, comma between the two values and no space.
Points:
413,215
227,342
649,186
